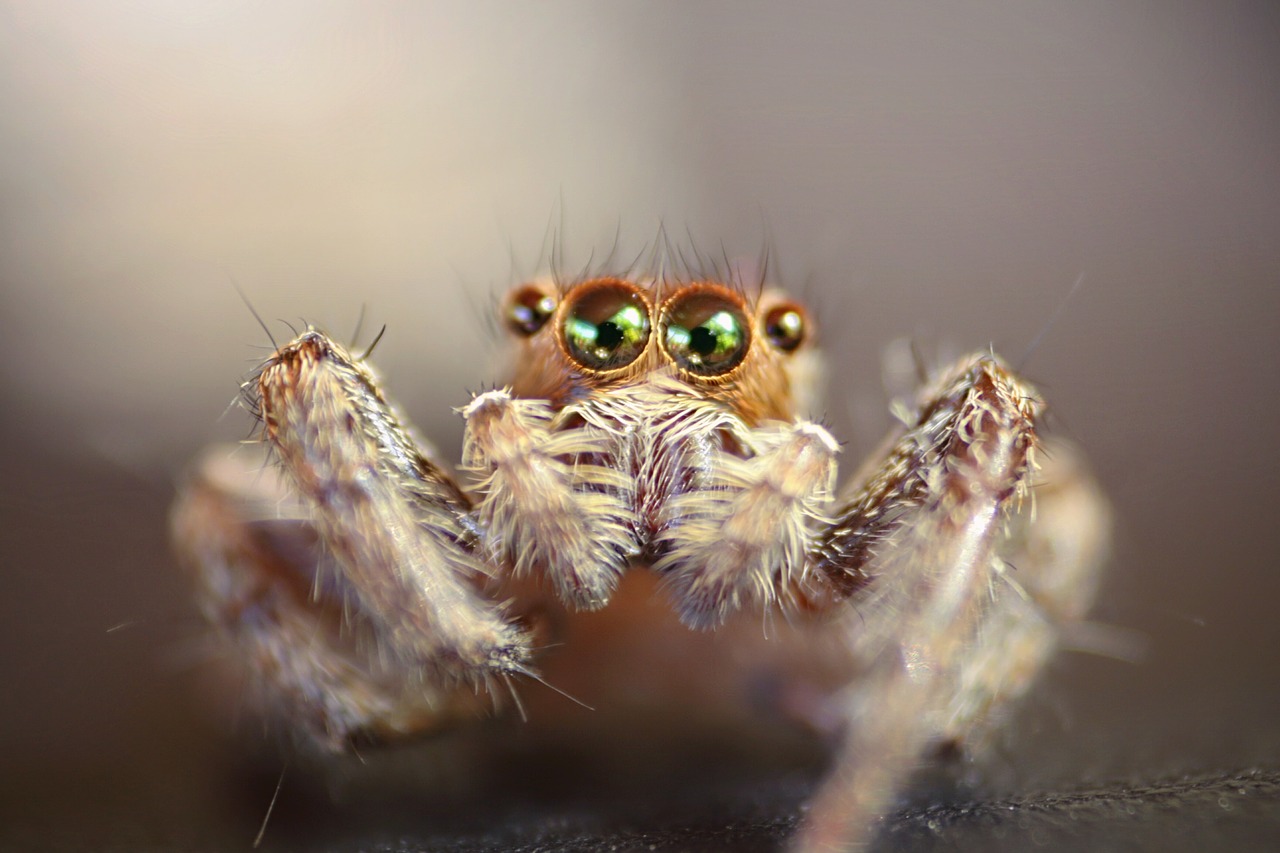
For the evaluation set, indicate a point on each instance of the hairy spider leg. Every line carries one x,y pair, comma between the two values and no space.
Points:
398,586
943,635
284,616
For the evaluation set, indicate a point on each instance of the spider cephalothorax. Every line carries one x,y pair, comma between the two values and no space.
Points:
648,426
636,431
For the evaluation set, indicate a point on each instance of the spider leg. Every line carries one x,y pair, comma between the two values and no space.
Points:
393,538
281,611
1045,582
943,630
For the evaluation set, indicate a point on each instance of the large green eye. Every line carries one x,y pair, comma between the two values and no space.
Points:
606,326
705,332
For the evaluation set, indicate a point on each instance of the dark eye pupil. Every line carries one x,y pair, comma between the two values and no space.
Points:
608,335
703,341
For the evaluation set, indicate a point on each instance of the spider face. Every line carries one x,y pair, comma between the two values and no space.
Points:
754,356
638,413
650,428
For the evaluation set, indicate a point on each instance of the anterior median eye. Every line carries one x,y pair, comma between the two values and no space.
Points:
705,332
606,326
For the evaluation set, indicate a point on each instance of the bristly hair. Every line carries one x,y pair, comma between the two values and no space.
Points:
661,259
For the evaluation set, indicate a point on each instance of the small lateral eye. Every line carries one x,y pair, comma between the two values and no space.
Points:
784,326
705,332
528,308
606,325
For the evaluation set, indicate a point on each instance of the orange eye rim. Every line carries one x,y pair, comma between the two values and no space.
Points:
713,293
580,295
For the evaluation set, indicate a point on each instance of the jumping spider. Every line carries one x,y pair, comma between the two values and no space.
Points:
650,428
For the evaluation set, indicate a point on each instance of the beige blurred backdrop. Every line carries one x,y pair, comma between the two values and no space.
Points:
938,171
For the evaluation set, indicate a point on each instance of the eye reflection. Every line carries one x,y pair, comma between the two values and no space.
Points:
705,333
607,325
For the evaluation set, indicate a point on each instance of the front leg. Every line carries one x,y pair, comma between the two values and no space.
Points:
354,598
286,626
945,630
396,522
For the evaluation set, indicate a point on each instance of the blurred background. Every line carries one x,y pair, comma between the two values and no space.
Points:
943,172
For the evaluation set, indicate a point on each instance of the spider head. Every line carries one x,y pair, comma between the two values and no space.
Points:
754,355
